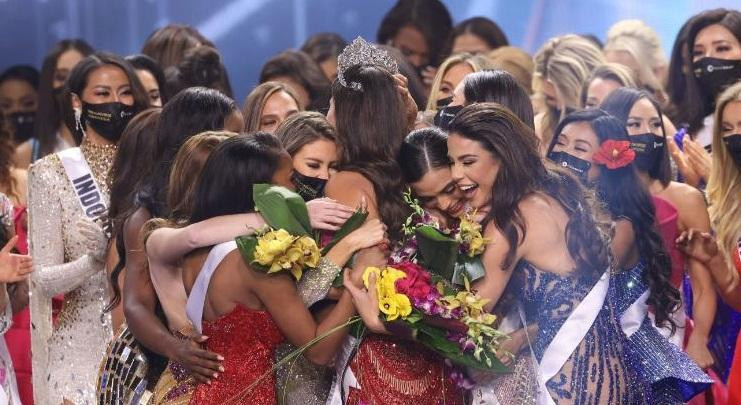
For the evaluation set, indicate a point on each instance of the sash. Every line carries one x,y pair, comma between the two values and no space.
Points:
568,337
344,376
197,297
633,317
83,183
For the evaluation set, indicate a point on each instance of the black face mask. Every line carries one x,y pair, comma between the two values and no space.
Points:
579,167
445,116
716,74
648,148
108,119
23,124
307,187
733,144
443,102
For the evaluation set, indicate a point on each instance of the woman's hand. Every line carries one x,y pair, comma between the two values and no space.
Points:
327,214
96,241
371,233
13,267
685,168
698,158
697,349
410,106
701,246
203,365
366,302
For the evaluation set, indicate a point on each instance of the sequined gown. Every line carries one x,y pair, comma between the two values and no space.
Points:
674,377
66,357
600,370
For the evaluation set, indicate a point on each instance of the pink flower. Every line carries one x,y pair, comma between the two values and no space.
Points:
416,285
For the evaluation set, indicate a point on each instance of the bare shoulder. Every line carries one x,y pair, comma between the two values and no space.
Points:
350,187
685,196
133,224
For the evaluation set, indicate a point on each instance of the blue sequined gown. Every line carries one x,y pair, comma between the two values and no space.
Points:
601,369
674,377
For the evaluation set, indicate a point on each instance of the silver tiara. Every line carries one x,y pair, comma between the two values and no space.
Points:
360,52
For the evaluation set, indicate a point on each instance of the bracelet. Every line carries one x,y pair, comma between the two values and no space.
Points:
185,332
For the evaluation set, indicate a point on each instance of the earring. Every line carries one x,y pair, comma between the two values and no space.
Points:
78,120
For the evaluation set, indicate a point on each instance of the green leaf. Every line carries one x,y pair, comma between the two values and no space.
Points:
470,267
246,246
354,222
282,209
438,251
435,339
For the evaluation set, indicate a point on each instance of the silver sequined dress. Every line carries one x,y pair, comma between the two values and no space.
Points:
66,356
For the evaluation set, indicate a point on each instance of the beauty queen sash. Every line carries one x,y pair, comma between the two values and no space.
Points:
633,317
568,337
83,183
197,297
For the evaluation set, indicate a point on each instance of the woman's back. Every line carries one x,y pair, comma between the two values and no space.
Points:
238,329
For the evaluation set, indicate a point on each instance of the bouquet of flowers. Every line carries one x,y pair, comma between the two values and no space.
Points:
288,242
454,254
451,322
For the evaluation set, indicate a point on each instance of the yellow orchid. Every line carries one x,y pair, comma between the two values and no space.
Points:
278,250
395,306
470,234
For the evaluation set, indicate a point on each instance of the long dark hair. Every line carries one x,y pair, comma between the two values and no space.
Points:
370,126
500,87
483,28
226,181
51,111
192,111
77,81
423,150
300,67
144,62
430,17
696,103
624,196
618,104
522,172
139,140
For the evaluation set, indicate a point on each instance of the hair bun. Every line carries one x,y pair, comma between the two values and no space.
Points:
202,65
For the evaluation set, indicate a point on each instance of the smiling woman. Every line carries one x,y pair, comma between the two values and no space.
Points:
268,105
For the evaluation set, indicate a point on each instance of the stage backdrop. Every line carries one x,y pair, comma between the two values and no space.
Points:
248,32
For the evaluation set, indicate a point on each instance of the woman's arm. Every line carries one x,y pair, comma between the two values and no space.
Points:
623,244
693,214
139,302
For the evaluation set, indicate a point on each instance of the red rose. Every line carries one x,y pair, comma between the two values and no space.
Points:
614,154
416,284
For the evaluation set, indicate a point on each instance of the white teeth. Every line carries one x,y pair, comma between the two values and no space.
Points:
467,188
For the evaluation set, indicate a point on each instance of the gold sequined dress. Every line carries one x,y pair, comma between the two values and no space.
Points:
66,356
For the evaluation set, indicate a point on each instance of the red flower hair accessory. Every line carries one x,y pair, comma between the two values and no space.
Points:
614,154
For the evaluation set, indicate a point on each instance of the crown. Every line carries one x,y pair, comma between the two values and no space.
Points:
360,52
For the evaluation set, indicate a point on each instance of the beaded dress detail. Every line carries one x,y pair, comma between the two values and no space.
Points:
66,357
600,370
674,377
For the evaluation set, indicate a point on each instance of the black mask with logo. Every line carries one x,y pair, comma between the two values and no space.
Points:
579,167
716,74
443,102
23,124
733,145
649,148
108,119
445,116
307,187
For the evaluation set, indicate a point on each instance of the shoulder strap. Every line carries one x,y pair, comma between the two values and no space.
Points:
83,183
197,297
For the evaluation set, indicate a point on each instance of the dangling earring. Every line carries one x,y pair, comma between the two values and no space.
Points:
78,121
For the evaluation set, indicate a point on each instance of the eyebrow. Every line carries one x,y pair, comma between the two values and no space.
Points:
467,156
583,142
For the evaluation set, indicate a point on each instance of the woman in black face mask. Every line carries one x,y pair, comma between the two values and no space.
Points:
19,100
598,145
68,200
643,120
50,133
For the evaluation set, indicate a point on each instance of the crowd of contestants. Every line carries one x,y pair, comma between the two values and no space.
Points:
584,157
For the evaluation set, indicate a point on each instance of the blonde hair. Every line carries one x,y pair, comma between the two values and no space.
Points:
255,102
610,71
186,169
475,62
516,62
642,43
566,62
724,184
